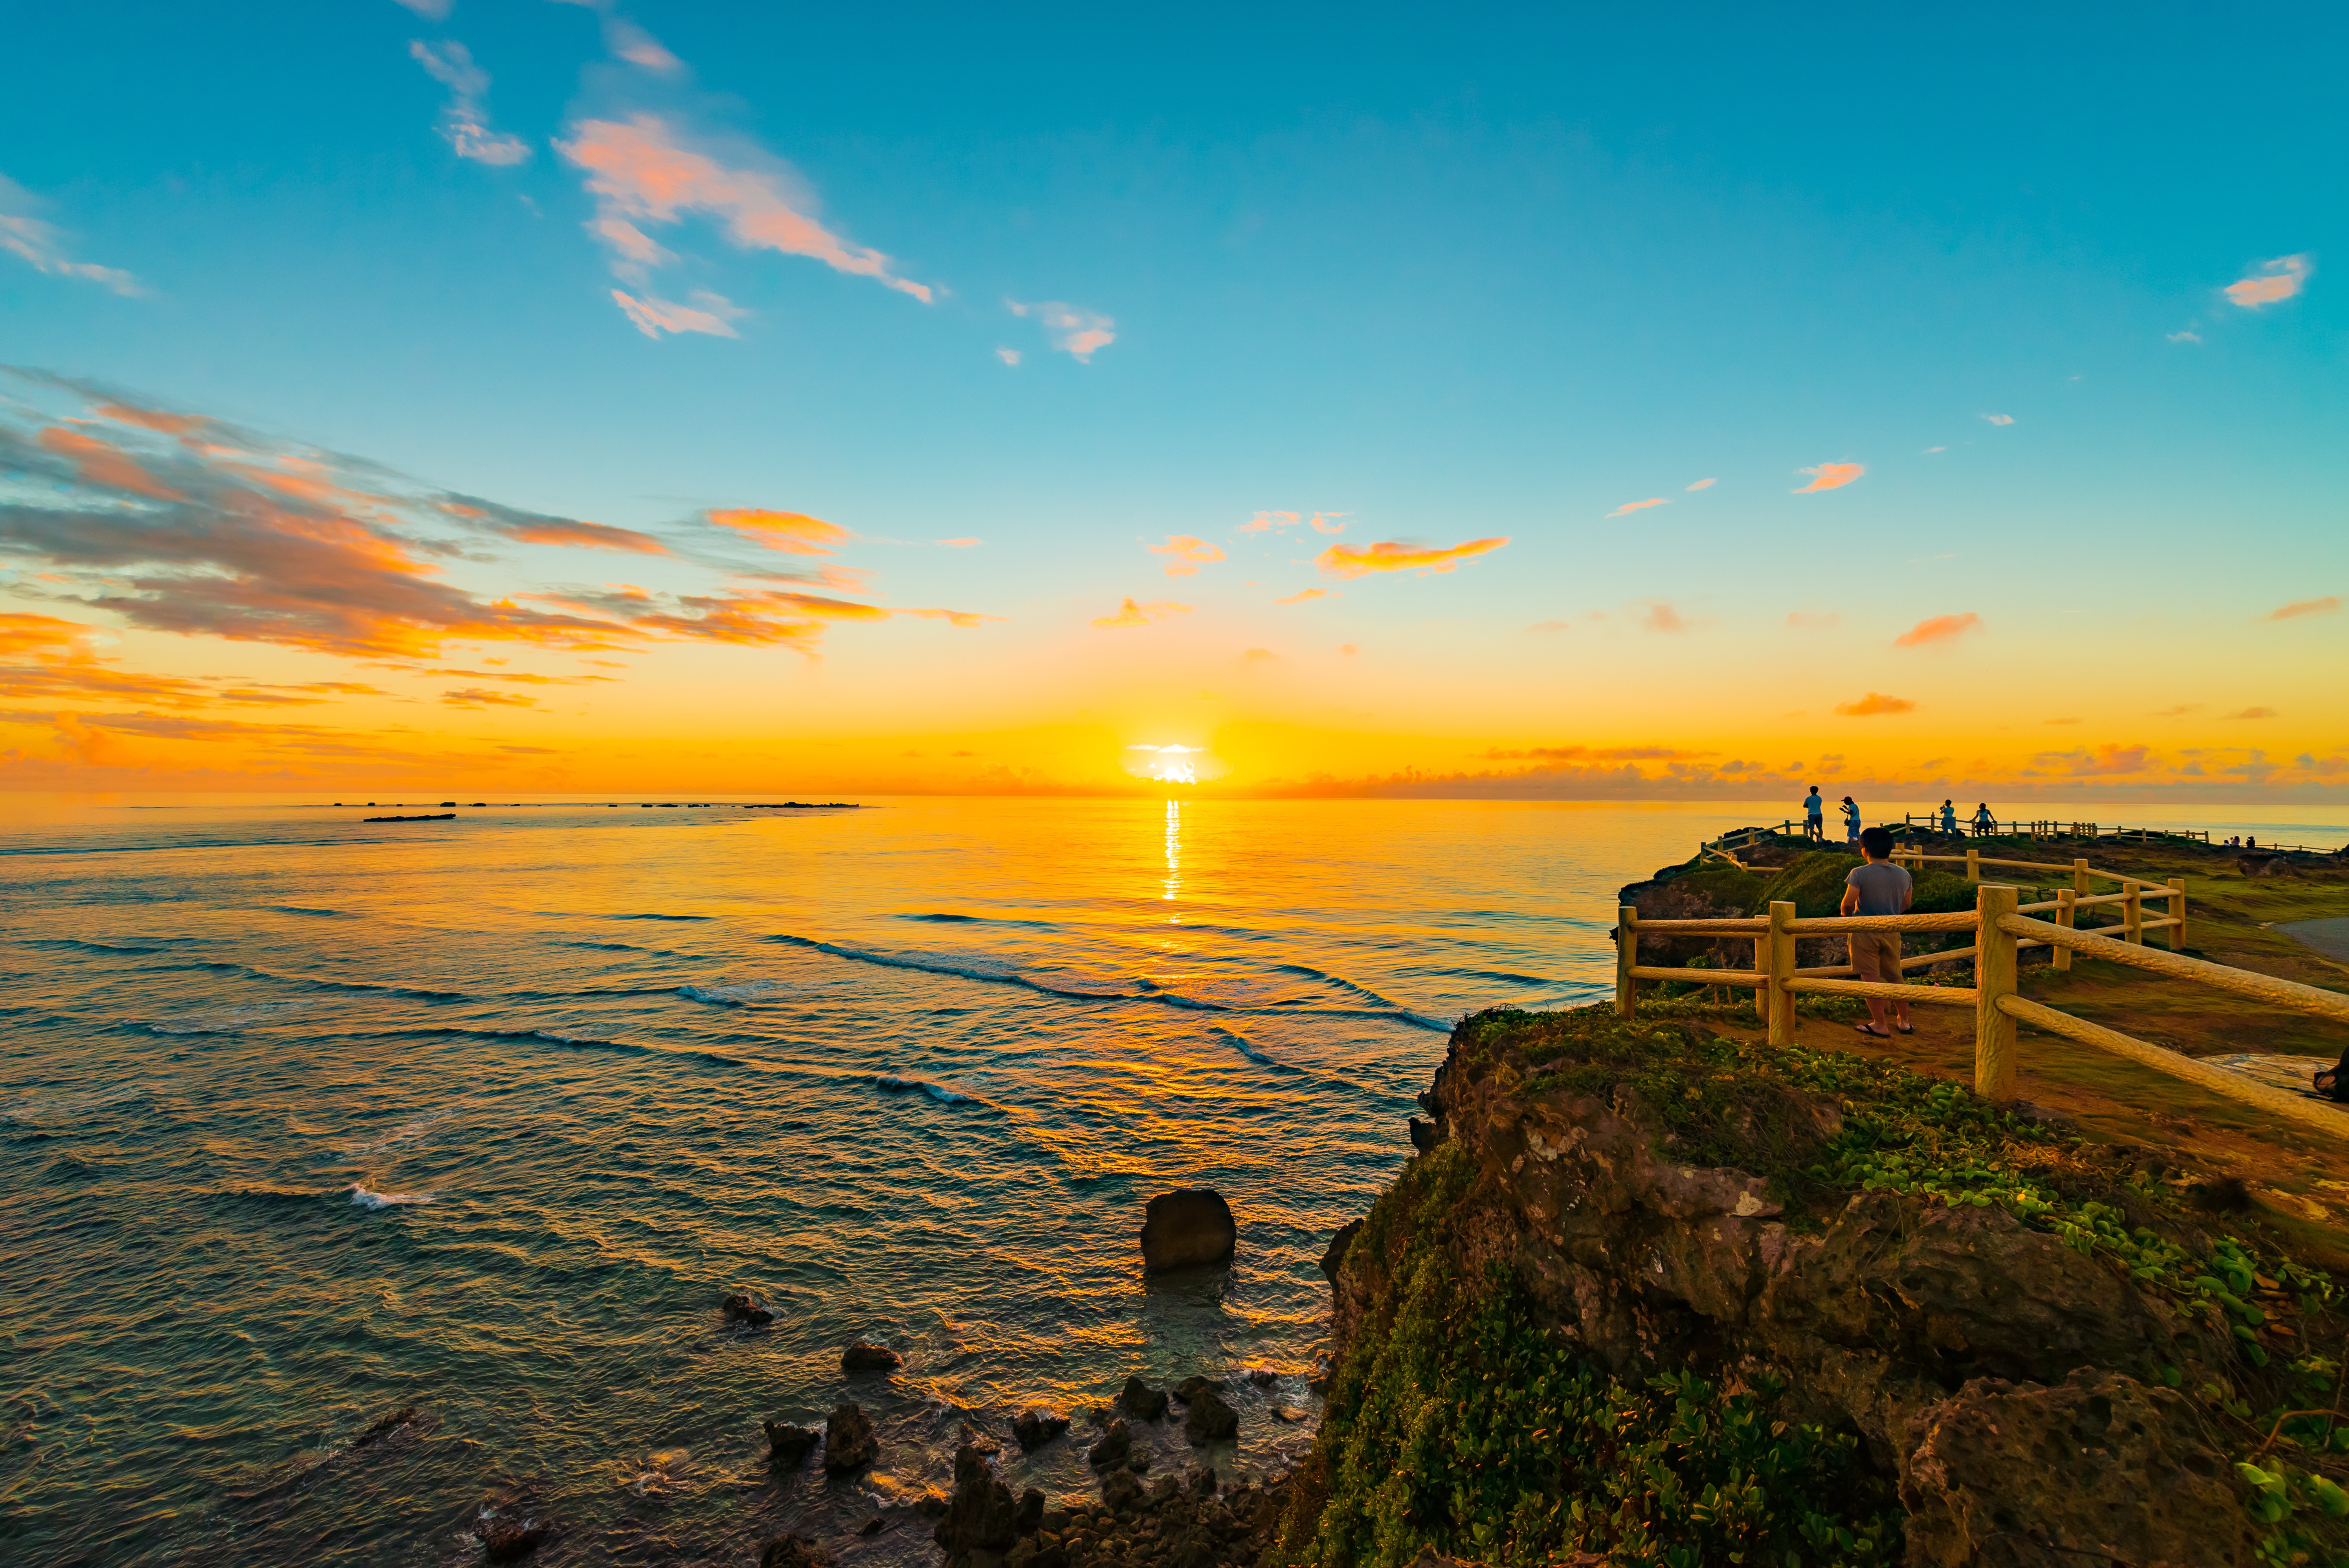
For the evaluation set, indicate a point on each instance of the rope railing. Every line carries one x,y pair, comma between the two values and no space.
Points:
2002,927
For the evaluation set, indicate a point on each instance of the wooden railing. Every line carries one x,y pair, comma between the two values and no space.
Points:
2001,927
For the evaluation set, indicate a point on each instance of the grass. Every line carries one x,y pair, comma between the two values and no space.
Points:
1457,1420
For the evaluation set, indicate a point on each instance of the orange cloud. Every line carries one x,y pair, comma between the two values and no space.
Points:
714,317
477,696
1395,555
1704,484
1073,330
1875,703
104,465
2328,605
1185,554
1831,476
1306,596
1632,506
2253,713
1662,618
1130,613
792,532
2103,761
956,543
2277,280
559,530
1274,521
1938,629
644,171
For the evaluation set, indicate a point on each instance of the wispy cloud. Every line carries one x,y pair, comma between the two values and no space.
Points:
35,242
2252,713
464,118
1938,629
1185,554
430,10
1814,620
632,44
1130,613
1931,450
1306,596
1704,484
1592,754
1274,521
792,532
647,170
2275,281
1073,329
1873,704
957,544
2000,418
1008,355
2179,711
480,696
2188,336
1831,476
2328,605
712,313
1547,627
1632,506
1662,618
1401,555
2104,760
561,532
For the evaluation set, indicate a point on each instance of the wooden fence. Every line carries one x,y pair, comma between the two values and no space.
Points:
2002,927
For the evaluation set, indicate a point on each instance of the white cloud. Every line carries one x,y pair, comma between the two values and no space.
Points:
1075,330
463,120
430,10
638,47
1704,484
2275,281
2000,418
1008,355
656,317
39,243
2190,335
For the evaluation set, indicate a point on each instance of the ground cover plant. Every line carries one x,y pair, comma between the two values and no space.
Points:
1458,1420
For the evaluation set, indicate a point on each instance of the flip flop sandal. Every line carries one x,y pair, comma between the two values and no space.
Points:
1904,1029
1871,1031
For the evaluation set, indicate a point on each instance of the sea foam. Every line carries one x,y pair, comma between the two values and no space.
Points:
362,1198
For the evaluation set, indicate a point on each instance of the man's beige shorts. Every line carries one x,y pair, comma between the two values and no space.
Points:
1875,956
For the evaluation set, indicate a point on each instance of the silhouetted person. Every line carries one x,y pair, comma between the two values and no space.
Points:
1985,823
1850,809
1948,817
1878,887
1814,815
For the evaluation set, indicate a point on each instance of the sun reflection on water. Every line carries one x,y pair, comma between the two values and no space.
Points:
1173,853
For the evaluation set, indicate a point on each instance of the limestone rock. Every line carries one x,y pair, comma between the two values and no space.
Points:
2100,1467
789,1446
1187,1226
1424,1136
848,1440
1210,1420
1141,1402
1335,1254
1033,1429
864,1356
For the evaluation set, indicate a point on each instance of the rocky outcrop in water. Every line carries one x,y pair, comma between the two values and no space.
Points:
1141,1402
1112,1452
1178,1523
793,1551
1031,1430
745,1306
864,1356
1189,1226
510,1540
789,1446
848,1441
1210,1420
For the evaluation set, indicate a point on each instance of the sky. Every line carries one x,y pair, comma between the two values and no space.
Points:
540,395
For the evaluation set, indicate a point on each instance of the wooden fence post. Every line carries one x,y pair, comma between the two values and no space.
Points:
1761,991
1627,954
2079,879
2133,913
2177,913
1780,1013
1993,978
2065,916
1973,863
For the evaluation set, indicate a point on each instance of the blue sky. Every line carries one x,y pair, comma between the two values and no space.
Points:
1455,275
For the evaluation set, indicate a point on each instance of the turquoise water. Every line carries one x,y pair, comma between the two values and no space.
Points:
306,1121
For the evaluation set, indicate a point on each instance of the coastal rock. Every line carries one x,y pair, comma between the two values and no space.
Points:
793,1551
864,1356
1031,1430
1190,1388
1122,1491
389,1427
1210,1420
974,1439
1424,1135
789,1446
1141,1402
2101,1467
1111,1452
932,1504
1262,1377
1335,1254
981,1517
510,1540
848,1440
1031,1514
745,1306
1188,1226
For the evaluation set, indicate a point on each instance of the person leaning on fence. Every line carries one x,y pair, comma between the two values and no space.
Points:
1814,815
1850,809
1878,887
1985,823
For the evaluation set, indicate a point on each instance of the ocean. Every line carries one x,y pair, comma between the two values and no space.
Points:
309,1122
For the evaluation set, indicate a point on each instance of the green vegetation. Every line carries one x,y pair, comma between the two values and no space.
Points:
1456,1420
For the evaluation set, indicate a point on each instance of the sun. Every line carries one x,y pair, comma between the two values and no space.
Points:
1171,764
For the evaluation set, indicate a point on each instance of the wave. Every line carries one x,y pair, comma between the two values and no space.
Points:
735,995
979,920
938,1092
610,946
364,1198
77,944
227,1020
1247,1048
321,914
660,917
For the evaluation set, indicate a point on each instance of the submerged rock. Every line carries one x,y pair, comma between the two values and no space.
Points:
848,1440
745,1306
1210,1420
1033,1429
789,1446
864,1356
1189,1225
510,1540
1190,1388
1111,1452
389,1426
793,1551
1141,1402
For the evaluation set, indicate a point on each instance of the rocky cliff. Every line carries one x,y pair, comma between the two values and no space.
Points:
1653,1295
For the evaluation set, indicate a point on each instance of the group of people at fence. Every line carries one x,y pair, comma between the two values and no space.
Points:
1814,818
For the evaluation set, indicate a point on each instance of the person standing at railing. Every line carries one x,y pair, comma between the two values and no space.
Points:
1814,815
1985,824
1850,809
1949,816
1878,887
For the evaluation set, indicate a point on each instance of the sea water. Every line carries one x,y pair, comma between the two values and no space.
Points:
305,1123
